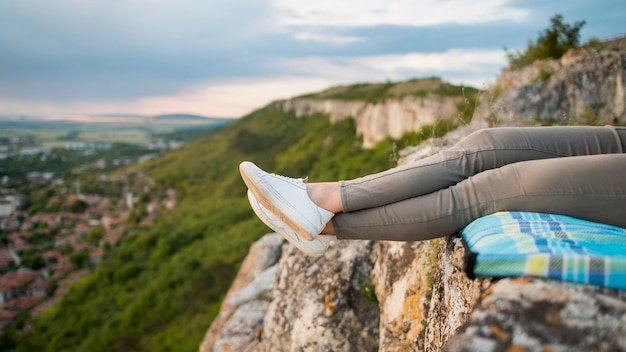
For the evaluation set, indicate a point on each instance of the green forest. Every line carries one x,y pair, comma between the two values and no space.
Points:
160,288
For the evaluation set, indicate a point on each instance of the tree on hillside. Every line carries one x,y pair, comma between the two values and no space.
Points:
78,206
94,235
552,43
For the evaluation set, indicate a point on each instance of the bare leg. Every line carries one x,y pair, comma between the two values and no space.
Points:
326,195
329,229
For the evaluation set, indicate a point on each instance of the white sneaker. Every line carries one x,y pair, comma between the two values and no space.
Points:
314,248
287,198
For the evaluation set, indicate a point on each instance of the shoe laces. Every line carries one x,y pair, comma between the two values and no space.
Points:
297,181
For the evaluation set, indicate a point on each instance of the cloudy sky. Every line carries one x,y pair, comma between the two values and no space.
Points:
224,58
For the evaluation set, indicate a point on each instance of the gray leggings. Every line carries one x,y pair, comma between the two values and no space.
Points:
574,171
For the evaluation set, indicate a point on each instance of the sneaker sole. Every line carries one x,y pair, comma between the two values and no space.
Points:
267,204
294,238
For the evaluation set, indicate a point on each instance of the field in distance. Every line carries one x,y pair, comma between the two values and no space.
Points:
57,130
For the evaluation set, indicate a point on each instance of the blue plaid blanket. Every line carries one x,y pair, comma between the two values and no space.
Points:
546,245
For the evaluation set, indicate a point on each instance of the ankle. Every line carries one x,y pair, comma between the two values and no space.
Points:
329,229
326,195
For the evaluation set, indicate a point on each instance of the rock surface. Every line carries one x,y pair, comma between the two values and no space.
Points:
241,315
539,315
419,291
311,304
321,304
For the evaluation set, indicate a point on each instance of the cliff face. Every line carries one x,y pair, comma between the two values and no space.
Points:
313,304
583,87
413,296
238,325
375,121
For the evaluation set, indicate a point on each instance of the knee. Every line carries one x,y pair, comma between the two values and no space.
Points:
478,138
492,137
493,133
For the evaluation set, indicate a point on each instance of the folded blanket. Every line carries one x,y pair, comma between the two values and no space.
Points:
546,245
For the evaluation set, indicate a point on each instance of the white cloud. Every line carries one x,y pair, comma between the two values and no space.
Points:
474,60
326,38
352,13
469,66
232,98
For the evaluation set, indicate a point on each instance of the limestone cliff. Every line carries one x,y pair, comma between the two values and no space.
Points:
375,121
413,296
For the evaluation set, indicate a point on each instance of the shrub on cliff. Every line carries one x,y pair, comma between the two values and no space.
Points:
552,43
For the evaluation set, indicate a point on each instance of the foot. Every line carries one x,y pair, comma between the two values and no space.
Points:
314,248
287,199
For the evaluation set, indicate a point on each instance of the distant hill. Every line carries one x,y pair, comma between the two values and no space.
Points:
113,118
159,117
56,130
189,119
186,117
122,115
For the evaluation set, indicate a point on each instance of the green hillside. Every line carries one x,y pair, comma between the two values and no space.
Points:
375,92
159,289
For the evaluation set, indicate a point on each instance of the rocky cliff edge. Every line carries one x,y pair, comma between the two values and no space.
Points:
413,296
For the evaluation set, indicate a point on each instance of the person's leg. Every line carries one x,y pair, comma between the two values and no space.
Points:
483,150
327,195
585,187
